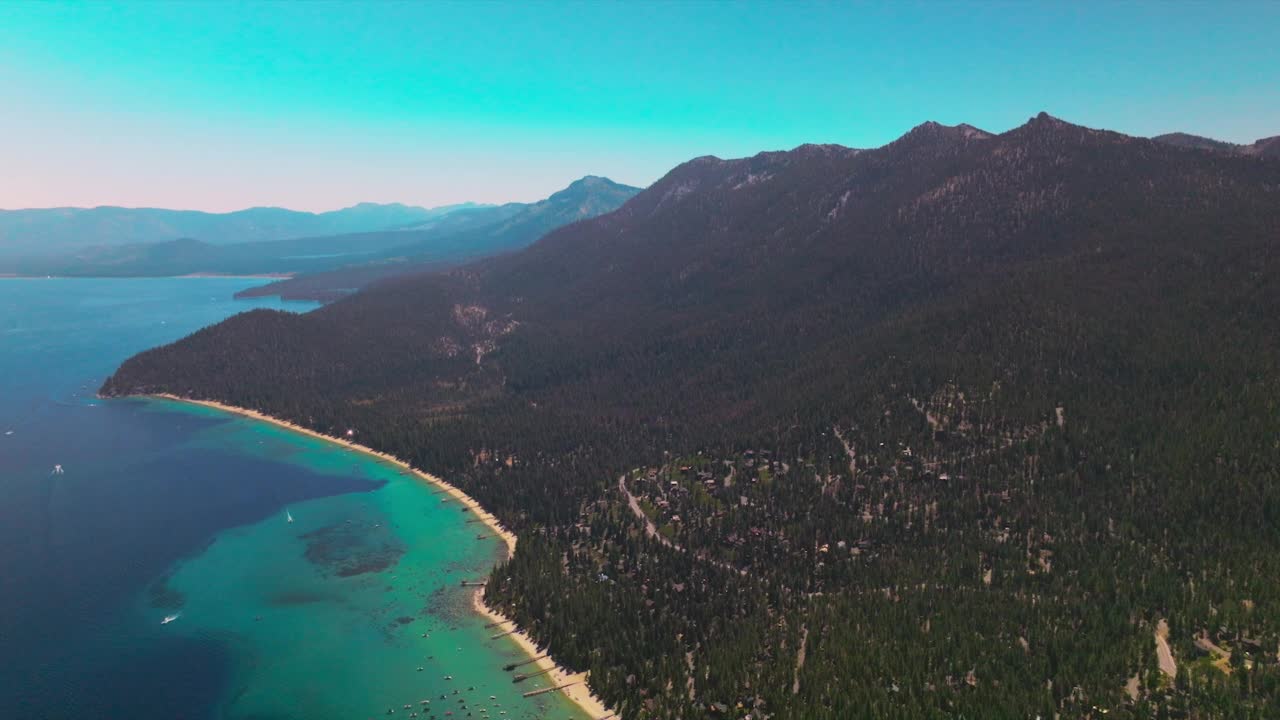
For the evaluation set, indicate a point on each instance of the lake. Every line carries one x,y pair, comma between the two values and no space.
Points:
115,515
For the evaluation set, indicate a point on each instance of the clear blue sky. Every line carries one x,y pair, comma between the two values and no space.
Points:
222,105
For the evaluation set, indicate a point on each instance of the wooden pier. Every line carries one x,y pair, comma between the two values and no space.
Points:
532,693
513,666
521,677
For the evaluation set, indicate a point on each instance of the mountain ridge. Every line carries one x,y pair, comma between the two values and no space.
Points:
460,236
1262,147
970,418
48,230
457,233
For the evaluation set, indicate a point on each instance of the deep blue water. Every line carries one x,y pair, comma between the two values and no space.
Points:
349,605
135,495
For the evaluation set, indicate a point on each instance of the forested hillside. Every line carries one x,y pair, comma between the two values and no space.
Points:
968,425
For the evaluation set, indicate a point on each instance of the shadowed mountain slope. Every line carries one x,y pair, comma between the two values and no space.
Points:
965,417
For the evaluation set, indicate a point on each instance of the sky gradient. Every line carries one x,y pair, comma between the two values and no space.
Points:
315,106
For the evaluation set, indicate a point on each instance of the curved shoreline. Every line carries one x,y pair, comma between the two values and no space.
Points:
578,692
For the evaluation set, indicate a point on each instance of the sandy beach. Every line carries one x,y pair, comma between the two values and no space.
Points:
577,691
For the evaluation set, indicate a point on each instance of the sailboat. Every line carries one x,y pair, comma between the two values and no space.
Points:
287,515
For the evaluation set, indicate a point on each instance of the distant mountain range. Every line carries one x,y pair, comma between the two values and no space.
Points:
967,425
49,230
331,254
1264,147
455,238
420,239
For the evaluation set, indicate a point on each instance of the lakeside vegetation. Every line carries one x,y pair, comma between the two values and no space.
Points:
958,421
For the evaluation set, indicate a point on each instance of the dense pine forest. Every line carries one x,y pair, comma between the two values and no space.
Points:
969,425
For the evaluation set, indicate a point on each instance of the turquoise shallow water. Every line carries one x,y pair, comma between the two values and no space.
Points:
354,608
168,508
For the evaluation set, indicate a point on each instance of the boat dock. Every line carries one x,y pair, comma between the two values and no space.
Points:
513,666
521,677
533,693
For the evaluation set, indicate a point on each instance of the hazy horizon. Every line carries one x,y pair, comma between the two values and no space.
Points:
315,107
320,211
